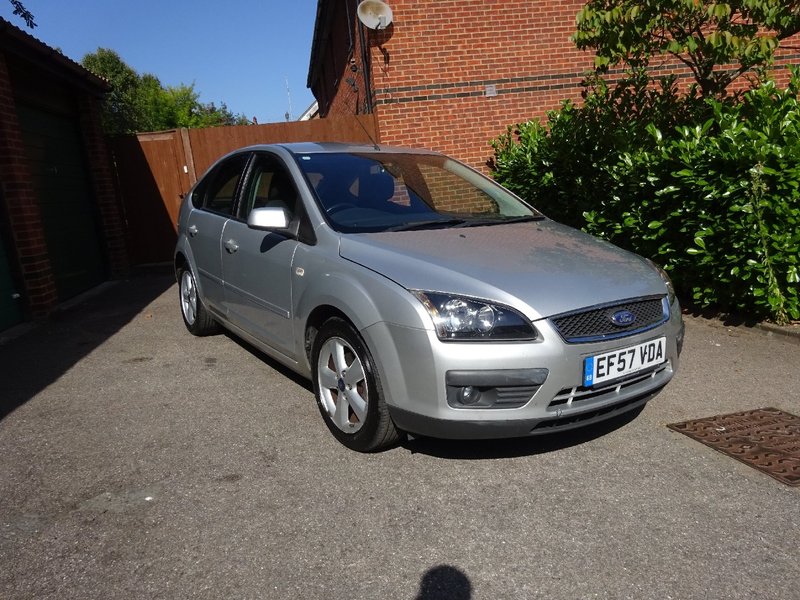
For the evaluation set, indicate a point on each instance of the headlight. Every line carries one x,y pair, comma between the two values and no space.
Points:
665,277
459,318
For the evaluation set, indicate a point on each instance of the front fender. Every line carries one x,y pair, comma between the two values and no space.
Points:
363,296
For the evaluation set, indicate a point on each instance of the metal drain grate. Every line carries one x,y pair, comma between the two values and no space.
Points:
767,439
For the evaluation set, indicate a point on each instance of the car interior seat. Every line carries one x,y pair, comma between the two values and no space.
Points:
282,193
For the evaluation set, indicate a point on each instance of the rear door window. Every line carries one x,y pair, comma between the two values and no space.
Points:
217,192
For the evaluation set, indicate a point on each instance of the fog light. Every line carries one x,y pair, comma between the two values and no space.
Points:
469,395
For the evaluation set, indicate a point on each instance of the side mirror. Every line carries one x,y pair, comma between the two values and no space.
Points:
272,218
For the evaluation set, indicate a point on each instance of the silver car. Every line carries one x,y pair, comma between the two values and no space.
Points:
419,296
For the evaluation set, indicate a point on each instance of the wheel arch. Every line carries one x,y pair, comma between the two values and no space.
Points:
369,299
314,322
184,259
377,430
180,262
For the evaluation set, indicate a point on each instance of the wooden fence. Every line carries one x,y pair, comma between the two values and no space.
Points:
154,170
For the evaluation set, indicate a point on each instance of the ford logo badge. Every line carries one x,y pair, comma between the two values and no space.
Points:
623,318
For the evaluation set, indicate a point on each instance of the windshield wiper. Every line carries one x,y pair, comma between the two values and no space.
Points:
500,220
431,224
457,223
524,219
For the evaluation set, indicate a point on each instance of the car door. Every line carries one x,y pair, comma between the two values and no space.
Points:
214,203
256,264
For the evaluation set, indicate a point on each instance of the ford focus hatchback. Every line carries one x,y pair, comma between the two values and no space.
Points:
420,296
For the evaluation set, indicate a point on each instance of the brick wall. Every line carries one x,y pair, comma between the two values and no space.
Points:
431,68
19,205
22,206
103,187
344,78
452,75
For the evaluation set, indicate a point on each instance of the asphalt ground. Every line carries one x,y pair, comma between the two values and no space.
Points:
137,461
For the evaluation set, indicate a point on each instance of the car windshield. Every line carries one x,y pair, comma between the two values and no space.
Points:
377,191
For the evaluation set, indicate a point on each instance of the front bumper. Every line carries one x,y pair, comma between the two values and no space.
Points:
495,429
539,383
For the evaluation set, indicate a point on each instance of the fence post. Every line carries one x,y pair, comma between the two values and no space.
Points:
187,152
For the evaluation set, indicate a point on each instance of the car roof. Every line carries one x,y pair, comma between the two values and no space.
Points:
334,147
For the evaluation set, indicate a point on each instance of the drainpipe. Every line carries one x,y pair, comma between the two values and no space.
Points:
365,67
349,26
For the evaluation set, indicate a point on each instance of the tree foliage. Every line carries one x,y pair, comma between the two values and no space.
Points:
23,13
564,165
141,103
708,183
717,41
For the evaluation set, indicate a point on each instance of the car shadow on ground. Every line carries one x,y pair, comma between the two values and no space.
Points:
269,361
515,447
469,449
53,346
727,319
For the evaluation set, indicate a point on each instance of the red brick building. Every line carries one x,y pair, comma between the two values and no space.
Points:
450,75
61,226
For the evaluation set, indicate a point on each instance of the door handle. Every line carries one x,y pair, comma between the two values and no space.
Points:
193,230
231,246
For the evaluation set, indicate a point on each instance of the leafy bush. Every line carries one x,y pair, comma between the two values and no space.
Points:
560,167
710,190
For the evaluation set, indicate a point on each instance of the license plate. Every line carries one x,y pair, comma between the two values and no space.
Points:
619,363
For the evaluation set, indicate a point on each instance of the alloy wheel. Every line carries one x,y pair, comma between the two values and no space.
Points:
188,297
342,385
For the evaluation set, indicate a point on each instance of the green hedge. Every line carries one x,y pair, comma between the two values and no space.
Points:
709,189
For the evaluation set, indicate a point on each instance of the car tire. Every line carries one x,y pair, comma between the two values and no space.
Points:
194,313
348,389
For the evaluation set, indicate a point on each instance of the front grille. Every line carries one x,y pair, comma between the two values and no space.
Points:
575,396
595,324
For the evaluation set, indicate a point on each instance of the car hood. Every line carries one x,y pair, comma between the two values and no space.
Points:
540,268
